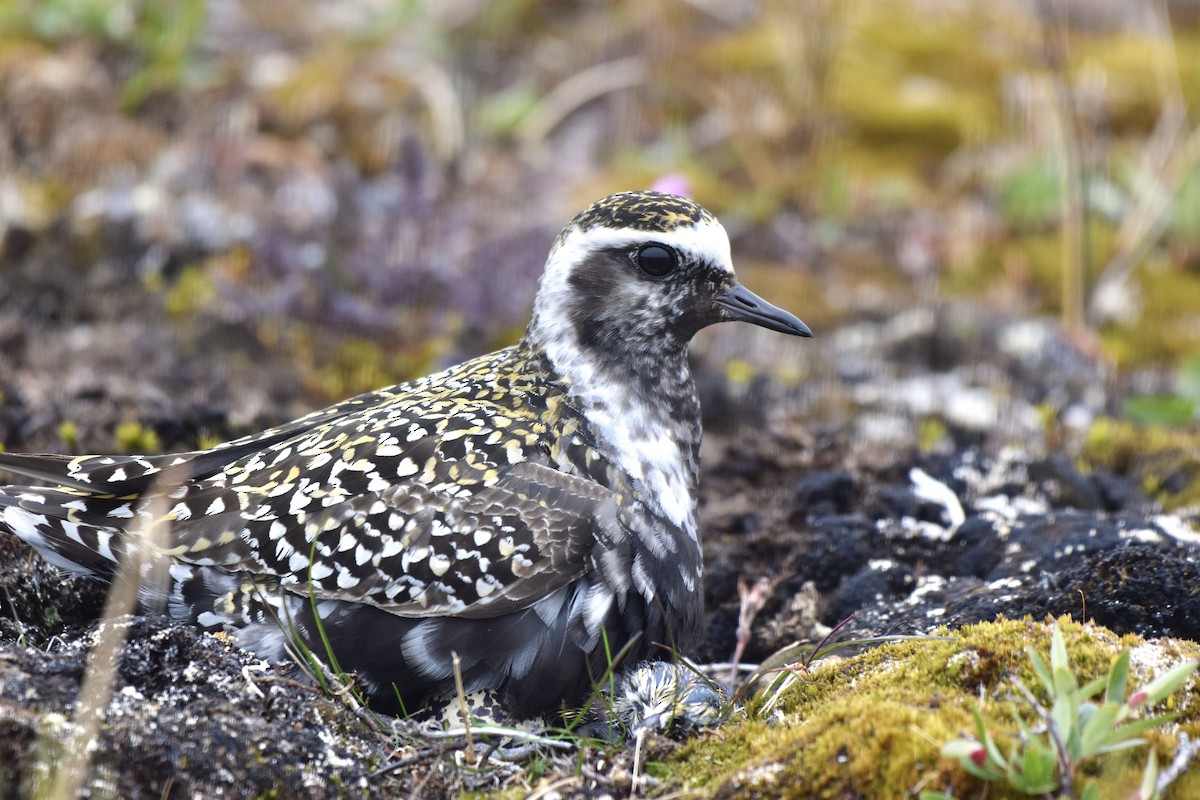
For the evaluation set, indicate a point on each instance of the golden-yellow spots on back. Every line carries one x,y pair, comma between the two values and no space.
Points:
430,472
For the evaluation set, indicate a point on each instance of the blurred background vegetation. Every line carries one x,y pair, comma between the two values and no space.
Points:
365,190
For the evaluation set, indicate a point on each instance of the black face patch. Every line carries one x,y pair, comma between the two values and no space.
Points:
671,309
653,212
596,286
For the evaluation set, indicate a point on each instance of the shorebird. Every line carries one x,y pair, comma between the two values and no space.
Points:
531,512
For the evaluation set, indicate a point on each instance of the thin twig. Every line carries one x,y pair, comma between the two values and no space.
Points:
751,599
494,730
401,763
1185,751
462,705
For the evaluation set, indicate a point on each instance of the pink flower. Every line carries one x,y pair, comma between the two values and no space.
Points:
673,183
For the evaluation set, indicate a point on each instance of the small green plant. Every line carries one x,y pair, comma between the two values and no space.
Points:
1178,409
161,37
1050,755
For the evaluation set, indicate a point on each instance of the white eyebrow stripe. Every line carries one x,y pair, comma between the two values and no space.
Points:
703,240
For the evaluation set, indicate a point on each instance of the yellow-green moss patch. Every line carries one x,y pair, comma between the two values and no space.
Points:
1166,461
872,726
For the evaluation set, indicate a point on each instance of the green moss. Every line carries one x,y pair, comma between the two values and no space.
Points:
192,291
873,725
926,82
68,434
359,365
1165,461
1166,329
1133,66
207,441
739,373
931,433
515,793
131,437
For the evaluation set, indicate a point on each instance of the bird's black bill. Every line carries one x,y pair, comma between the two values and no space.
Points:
744,305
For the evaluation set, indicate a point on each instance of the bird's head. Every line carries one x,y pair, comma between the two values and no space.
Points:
641,273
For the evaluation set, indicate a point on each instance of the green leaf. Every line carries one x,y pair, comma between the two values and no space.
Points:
974,757
1029,196
1085,713
1058,652
1060,664
1041,671
1026,774
1118,679
1149,786
989,744
1038,766
1167,683
1098,729
1063,714
1126,744
983,773
1092,689
1166,410
1137,726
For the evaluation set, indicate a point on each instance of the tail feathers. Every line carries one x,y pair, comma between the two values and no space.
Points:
51,523
127,475
83,549
117,475
67,535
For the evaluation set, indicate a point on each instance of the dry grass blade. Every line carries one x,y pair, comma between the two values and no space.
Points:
140,571
1170,155
553,788
578,90
1074,208
637,764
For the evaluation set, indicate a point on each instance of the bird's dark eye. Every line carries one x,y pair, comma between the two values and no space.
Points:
656,260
